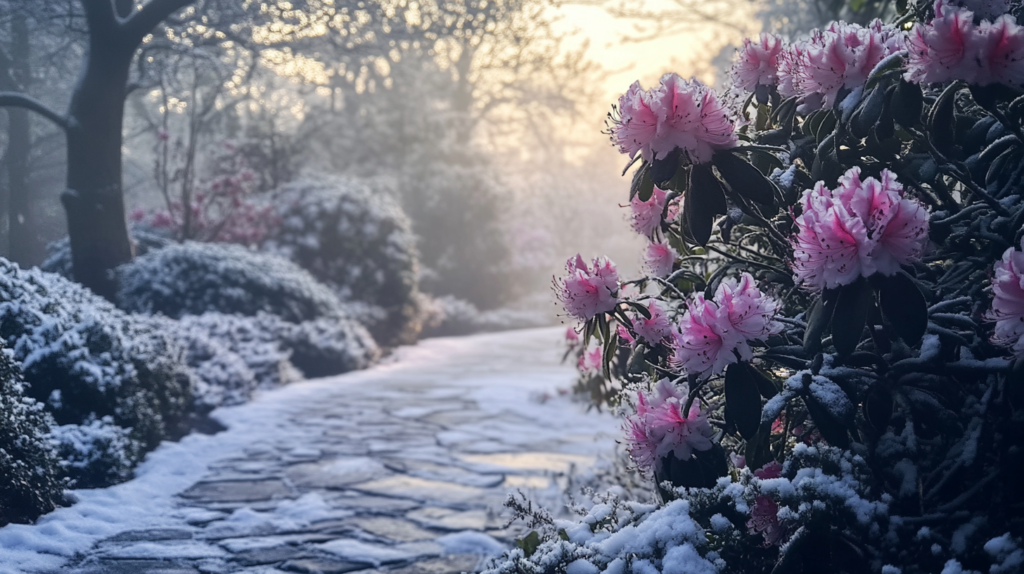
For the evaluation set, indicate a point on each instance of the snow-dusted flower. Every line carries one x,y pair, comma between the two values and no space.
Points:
587,291
1008,300
757,62
841,56
856,230
646,215
659,427
764,520
953,47
659,258
655,329
714,334
572,338
591,360
685,114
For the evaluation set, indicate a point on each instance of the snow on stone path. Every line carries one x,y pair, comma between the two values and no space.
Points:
401,468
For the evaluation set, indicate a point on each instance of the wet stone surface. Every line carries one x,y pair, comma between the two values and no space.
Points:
381,478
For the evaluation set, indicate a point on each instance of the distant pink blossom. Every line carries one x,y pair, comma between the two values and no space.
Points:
1008,300
770,470
659,258
647,215
856,230
587,291
841,56
653,330
659,427
714,334
591,361
572,338
953,47
757,62
764,520
685,114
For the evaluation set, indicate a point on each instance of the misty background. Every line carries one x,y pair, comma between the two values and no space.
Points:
483,118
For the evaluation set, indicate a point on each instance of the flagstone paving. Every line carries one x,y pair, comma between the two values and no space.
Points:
401,469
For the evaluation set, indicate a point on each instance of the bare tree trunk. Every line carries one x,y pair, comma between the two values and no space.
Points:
94,198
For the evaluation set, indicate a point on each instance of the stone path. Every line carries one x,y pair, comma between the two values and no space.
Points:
400,469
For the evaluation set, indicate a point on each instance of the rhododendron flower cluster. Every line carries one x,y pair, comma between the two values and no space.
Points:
714,334
659,258
655,329
591,361
952,47
841,56
677,114
647,215
764,515
587,291
856,230
757,62
659,427
1008,300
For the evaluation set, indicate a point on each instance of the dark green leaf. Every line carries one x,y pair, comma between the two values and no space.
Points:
903,306
878,408
703,201
758,452
818,318
907,104
832,430
529,543
941,124
642,185
744,178
850,315
765,385
743,399
664,169
868,113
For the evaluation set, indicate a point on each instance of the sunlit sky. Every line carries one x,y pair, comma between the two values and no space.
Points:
627,61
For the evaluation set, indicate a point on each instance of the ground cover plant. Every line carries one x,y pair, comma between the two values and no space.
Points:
822,369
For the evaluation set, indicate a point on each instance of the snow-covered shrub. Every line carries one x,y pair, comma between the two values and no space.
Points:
58,253
357,240
278,352
840,309
194,278
97,452
86,359
450,316
30,483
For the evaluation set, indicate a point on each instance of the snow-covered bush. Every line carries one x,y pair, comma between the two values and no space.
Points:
273,351
835,301
97,452
87,360
194,278
356,239
449,316
58,253
30,483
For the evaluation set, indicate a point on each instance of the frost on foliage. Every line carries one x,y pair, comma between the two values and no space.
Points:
30,483
194,278
358,241
97,452
448,316
276,352
87,360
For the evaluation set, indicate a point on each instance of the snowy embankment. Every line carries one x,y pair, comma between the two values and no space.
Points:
476,396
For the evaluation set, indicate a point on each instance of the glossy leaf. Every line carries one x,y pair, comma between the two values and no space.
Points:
643,185
743,399
903,306
664,169
744,178
703,201
818,318
907,104
851,313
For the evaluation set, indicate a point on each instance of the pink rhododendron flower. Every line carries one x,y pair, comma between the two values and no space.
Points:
856,230
757,62
647,215
659,427
624,334
587,291
841,56
655,329
952,47
714,334
637,124
591,361
764,520
659,258
771,470
1008,300
685,114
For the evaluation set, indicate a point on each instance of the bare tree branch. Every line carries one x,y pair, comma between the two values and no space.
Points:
143,21
16,100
